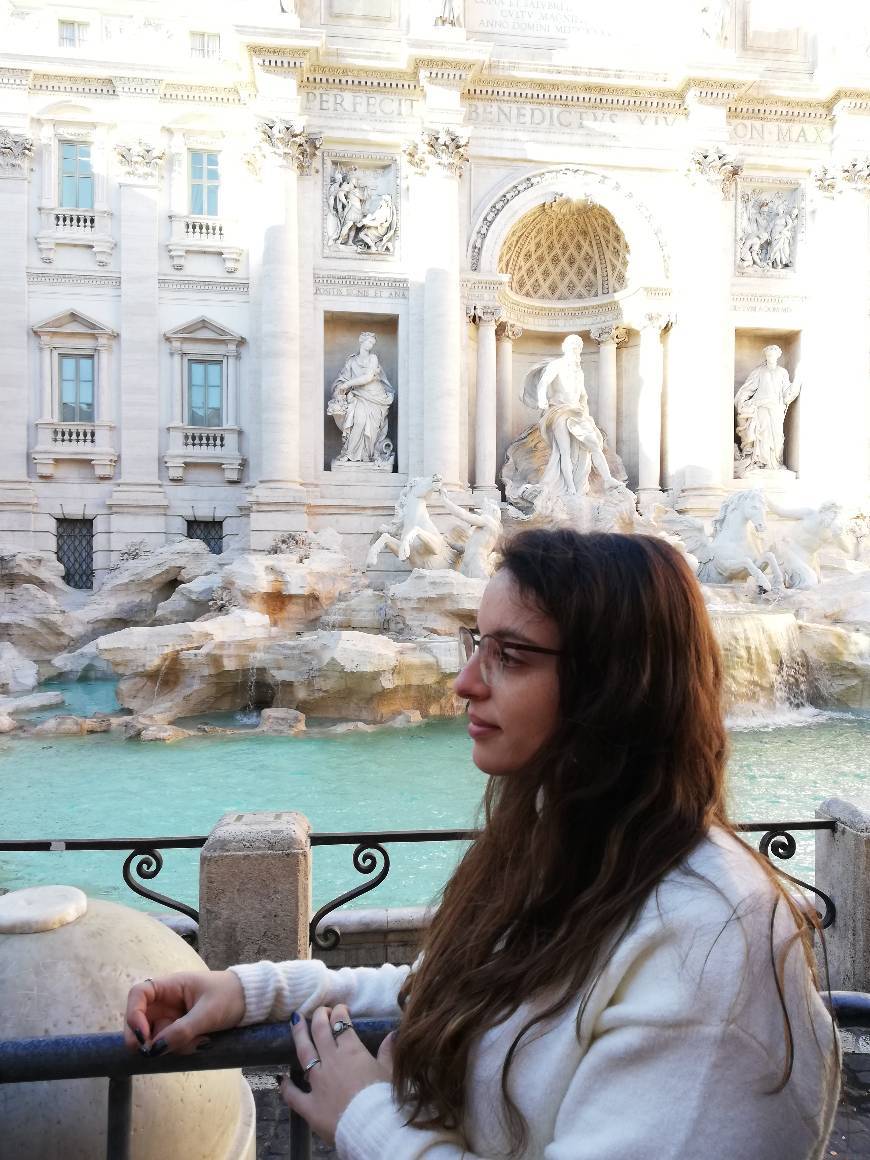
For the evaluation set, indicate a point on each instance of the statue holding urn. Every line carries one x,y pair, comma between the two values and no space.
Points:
360,405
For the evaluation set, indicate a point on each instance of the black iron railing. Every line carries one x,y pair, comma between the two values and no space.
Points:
371,859
268,1045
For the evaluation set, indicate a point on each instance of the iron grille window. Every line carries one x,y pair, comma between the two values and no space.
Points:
75,550
76,176
204,183
205,390
211,532
76,388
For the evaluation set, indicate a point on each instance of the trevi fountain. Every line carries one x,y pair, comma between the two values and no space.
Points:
294,333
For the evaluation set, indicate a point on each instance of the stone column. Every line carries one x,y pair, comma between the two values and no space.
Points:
46,386
649,411
834,428
506,334
177,385
608,339
255,889
486,409
232,416
17,499
442,155
278,501
138,504
700,416
104,393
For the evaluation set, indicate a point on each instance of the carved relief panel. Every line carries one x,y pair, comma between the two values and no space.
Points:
769,228
360,205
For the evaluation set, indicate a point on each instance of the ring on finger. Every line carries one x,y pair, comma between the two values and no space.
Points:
312,1063
340,1026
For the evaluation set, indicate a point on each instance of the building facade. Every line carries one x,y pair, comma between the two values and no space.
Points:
202,220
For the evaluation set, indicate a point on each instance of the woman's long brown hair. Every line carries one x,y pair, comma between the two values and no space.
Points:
574,844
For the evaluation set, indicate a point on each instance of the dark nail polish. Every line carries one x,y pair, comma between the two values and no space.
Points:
279,1079
139,1036
295,1017
158,1048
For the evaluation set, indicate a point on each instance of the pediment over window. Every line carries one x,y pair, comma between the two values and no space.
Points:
203,328
73,322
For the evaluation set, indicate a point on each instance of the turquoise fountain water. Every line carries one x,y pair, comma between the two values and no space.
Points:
102,786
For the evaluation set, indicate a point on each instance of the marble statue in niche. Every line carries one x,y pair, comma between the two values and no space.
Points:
766,233
360,405
761,405
359,217
556,457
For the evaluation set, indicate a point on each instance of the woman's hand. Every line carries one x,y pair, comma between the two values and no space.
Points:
175,1012
345,1068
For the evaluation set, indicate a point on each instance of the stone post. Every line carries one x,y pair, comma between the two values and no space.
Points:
17,499
843,873
255,889
138,504
700,415
649,411
46,405
506,333
486,411
442,155
278,502
177,385
608,339
104,394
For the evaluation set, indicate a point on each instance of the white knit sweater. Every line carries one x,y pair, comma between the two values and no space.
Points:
680,1043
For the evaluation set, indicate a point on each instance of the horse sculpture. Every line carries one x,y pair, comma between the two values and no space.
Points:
412,535
735,550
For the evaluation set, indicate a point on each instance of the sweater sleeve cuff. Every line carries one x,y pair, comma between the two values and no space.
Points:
367,1123
275,990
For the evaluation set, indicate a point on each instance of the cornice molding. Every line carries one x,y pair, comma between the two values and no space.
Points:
101,281
203,285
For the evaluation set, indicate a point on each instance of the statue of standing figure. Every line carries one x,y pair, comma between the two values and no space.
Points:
360,404
554,458
761,405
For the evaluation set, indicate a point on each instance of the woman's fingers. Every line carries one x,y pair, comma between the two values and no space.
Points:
137,1029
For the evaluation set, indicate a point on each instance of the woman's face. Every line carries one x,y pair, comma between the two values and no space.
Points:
510,720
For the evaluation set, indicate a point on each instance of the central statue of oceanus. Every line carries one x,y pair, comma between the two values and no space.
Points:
563,455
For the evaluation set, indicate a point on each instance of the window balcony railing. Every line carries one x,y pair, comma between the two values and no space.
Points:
189,444
58,441
75,227
193,233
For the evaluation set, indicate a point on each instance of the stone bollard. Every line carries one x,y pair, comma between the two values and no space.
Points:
255,889
843,873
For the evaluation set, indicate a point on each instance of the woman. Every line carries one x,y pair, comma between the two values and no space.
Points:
611,973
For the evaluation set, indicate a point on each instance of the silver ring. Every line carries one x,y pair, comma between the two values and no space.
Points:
340,1026
312,1063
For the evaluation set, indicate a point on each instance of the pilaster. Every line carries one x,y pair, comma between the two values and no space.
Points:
138,504
17,498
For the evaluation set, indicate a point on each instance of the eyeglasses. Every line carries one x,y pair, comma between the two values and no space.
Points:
493,658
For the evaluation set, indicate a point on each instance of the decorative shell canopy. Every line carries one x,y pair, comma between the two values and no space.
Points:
565,249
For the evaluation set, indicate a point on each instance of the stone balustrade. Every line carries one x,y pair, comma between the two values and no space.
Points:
89,441
189,444
75,227
192,233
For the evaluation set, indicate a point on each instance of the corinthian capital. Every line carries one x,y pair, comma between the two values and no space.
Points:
141,161
610,332
716,165
444,147
857,173
292,144
15,153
